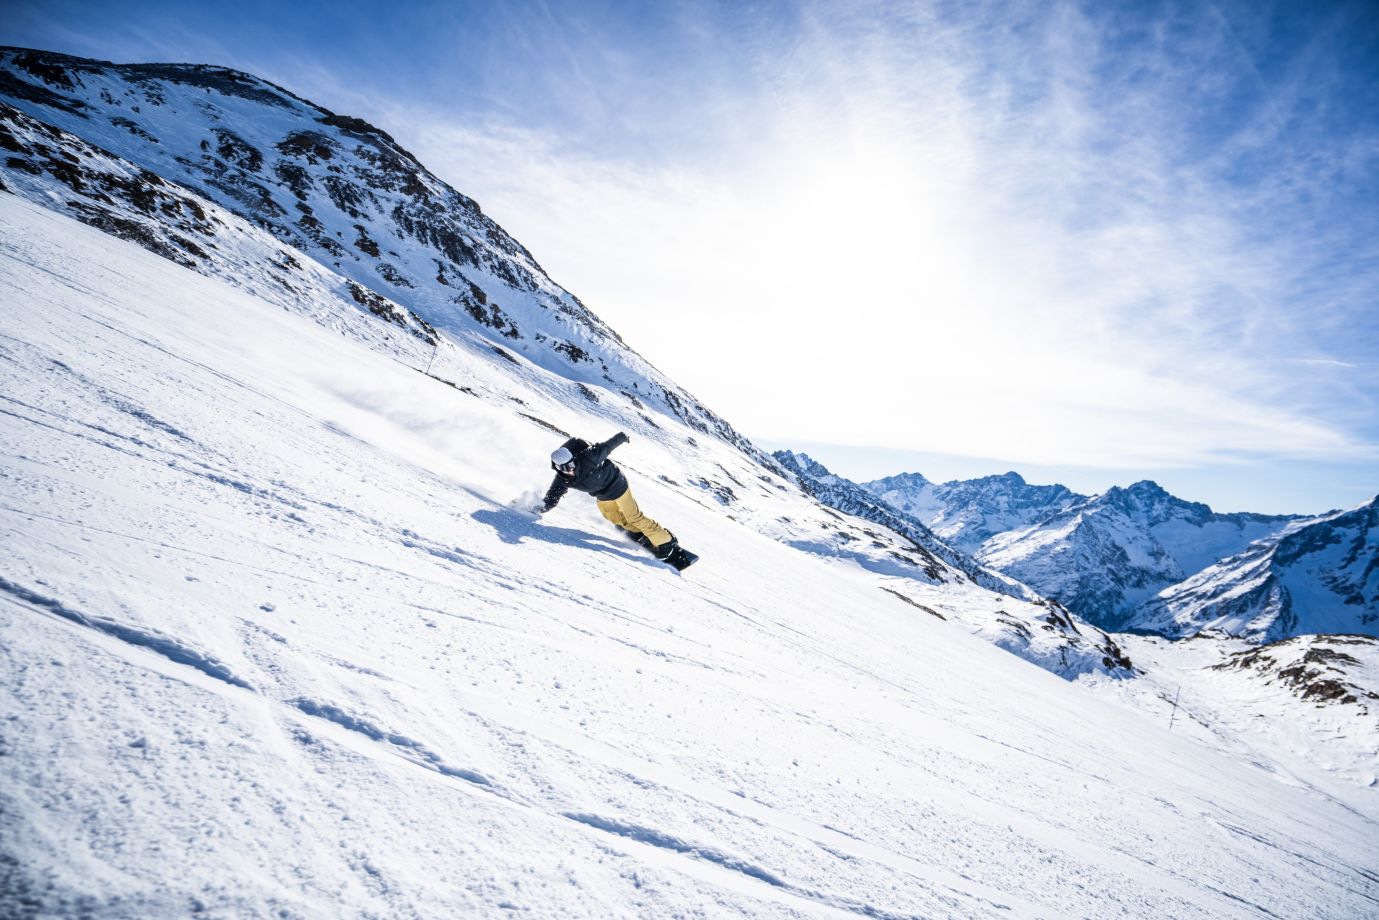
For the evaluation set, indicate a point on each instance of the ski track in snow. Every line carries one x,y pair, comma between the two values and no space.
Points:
390,745
266,613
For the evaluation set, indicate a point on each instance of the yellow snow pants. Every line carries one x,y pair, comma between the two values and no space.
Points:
624,512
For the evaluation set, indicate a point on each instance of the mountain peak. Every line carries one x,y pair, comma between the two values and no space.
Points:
1009,479
802,462
1154,503
1138,494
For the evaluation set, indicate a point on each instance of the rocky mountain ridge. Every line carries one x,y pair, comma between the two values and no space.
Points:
1317,668
345,193
65,173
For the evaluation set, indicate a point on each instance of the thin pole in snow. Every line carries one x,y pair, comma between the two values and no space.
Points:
434,348
1175,707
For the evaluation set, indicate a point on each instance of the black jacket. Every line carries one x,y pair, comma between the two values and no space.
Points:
594,472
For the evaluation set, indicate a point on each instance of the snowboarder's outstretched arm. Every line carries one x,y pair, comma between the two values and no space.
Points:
599,452
559,486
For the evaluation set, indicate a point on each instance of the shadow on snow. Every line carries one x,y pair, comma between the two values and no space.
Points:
515,526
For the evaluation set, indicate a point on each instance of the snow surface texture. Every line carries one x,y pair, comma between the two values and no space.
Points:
275,643
1243,699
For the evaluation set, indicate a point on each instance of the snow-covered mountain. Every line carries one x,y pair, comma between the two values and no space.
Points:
61,171
967,513
1140,558
332,187
276,644
278,639
1104,557
1041,630
1319,576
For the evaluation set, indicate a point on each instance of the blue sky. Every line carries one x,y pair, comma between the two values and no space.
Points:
1090,242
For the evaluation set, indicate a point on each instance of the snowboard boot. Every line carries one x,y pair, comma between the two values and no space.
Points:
675,555
663,552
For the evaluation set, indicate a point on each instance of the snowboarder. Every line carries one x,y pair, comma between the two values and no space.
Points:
586,467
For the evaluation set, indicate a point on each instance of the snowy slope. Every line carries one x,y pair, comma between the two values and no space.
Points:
62,171
274,643
1294,707
347,195
1319,576
1106,556
967,513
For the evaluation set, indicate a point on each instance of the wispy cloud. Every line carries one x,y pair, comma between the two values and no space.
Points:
1050,235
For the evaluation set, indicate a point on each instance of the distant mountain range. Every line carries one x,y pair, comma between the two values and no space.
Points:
1054,638
845,495
1107,555
1140,558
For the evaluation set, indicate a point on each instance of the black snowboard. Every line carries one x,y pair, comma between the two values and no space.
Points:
682,559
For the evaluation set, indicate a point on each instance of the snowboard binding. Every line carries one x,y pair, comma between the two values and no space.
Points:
675,555
672,553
